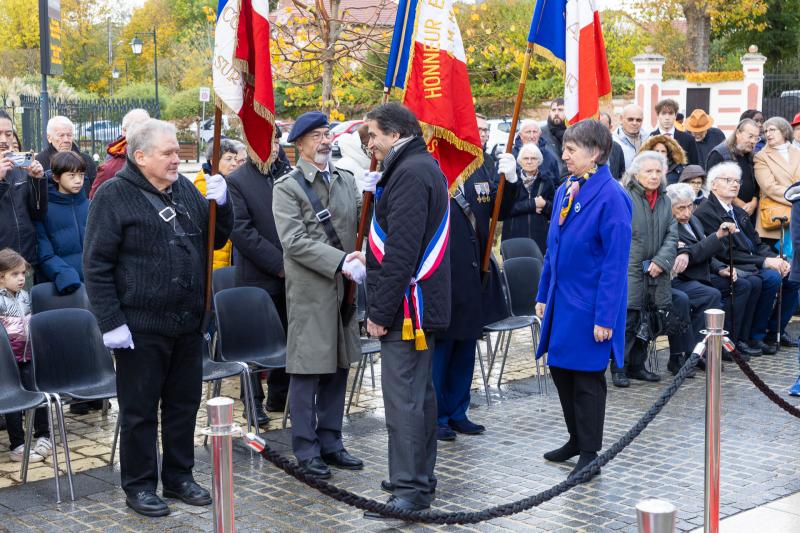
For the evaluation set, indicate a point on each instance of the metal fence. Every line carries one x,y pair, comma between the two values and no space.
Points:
782,91
97,122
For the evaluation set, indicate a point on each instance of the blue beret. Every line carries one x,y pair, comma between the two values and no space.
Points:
307,122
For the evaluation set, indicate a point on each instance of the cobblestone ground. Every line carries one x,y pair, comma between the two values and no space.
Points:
760,463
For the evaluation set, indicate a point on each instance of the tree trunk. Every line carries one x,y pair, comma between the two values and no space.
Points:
328,57
698,33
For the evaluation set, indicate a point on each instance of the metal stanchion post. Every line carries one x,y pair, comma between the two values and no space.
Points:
715,320
655,516
221,429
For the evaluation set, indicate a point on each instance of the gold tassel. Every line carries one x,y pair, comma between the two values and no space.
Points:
419,341
408,330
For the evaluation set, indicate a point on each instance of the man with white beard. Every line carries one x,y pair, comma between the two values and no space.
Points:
316,209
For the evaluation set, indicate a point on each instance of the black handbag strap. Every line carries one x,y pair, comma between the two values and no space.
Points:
166,212
322,213
458,196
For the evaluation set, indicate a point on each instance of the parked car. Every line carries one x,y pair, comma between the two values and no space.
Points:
99,130
498,134
348,126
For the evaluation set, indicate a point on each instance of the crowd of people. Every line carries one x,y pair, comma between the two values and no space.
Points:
668,224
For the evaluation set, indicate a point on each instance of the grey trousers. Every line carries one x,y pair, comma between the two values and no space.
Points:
410,403
316,403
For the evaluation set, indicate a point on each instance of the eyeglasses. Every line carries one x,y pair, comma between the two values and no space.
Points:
771,130
318,135
737,181
483,130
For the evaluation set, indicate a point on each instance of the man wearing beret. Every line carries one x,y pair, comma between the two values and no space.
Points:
316,208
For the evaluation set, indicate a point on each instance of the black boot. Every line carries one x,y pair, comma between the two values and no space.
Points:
567,451
584,459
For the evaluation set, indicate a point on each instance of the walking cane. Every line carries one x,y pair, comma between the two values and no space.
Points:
778,329
730,280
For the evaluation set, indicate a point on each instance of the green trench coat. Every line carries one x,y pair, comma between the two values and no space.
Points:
318,343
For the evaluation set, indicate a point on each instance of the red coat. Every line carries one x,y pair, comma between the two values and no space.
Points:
117,154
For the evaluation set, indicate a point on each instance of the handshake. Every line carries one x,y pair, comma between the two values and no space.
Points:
354,267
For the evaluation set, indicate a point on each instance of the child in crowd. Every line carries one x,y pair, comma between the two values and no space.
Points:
15,314
60,233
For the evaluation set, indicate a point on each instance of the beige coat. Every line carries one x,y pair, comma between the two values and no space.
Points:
774,175
318,343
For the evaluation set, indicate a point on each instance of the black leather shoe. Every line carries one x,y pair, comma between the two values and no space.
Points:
276,406
744,349
567,451
189,493
676,362
643,375
619,379
261,417
387,486
397,503
583,460
315,467
765,347
343,459
787,341
466,426
147,503
79,408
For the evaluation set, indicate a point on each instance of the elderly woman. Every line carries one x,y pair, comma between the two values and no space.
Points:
582,305
672,151
776,166
695,176
530,215
652,254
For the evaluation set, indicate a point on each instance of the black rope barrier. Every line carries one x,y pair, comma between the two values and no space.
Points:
763,387
506,509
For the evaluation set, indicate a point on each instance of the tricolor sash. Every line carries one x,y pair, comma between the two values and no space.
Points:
431,259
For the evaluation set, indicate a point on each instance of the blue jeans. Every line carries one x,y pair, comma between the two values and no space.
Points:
453,366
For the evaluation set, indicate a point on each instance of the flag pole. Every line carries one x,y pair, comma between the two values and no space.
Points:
487,253
212,220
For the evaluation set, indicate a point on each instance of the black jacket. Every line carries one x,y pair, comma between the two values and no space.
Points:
687,142
748,257
473,304
44,156
139,270
713,137
260,259
702,250
749,187
412,202
554,144
522,220
22,200
616,161
549,163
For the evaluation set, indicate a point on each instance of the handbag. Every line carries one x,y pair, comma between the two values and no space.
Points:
769,209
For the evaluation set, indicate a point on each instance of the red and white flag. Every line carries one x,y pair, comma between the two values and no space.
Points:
427,60
243,72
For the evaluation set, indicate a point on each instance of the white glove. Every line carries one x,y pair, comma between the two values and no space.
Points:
506,164
354,270
118,338
216,189
369,181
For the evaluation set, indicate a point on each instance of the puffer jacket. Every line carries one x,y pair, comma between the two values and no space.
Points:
224,256
654,238
22,200
60,238
15,316
354,160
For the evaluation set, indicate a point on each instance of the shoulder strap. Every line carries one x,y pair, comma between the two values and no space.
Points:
322,213
165,212
458,196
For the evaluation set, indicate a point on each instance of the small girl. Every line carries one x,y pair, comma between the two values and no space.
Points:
15,315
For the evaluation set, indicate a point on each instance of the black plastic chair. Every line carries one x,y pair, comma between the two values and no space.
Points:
223,278
369,347
71,363
520,247
215,371
521,277
14,398
45,297
250,331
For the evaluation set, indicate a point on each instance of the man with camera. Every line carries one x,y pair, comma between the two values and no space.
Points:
23,195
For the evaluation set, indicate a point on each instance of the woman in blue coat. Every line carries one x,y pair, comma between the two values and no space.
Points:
60,234
583,290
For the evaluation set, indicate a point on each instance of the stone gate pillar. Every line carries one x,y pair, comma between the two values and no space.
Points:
753,68
648,68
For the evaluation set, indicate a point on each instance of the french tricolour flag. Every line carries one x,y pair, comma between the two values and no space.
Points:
569,33
427,61
243,73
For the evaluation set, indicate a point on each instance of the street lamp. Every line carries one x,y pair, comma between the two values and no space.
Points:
115,73
136,47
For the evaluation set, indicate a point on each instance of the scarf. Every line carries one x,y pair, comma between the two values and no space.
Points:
528,179
392,153
652,198
573,185
556,129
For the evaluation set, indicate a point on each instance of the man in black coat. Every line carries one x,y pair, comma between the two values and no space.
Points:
755,262
475,306
144,263
23,198
60,138
616,161
531,132
260,255
739,149
553,134
666,110
701,126
699,274
411,215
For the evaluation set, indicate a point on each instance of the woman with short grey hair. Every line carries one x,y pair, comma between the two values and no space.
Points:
639,161
776,166
529,216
